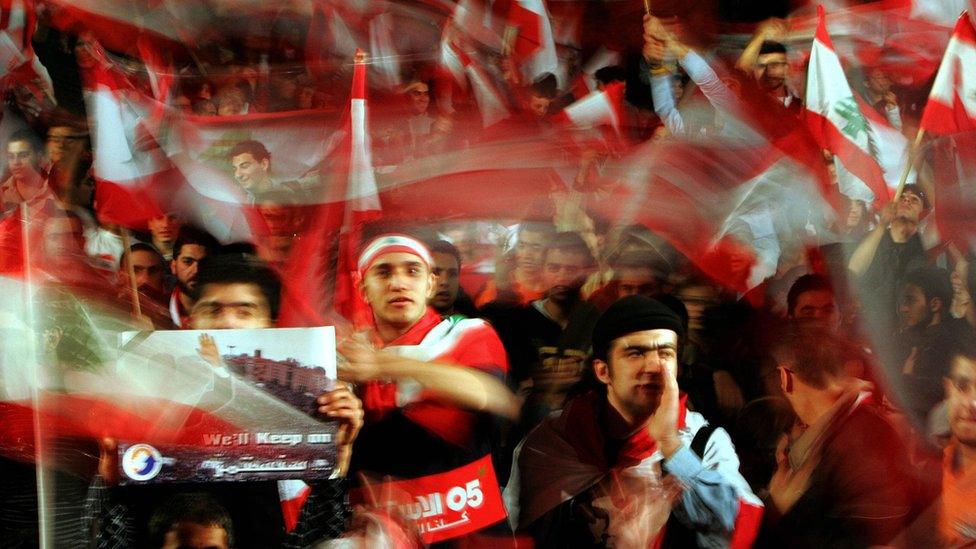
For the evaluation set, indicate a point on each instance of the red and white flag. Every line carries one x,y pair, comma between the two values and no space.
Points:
533,48
952,102
352,200
129,167
599,108
834,116
585,83
490,103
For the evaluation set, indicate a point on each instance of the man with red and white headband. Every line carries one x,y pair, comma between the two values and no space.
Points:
429,384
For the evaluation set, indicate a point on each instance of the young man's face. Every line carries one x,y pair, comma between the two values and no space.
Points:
184,265
817,308
961,391
913,308
248,171
397,286
419,98
528,251
772,69
563,273
64,142
910,207
191,535
635,369
164,228
960,388
21,160
239,305
446,282
147,268
635,281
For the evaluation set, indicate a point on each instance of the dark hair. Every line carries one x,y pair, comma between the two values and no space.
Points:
542,227
638,260
814,355
139,247
546,86
251,147
189,234
806,283
918,191
772,46
445,247
27,136
610,73
241,269
197,508
570,242
934,282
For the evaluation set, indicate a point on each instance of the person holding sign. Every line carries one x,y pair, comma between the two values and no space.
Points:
237,291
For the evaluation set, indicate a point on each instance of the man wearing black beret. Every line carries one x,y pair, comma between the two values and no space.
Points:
625,463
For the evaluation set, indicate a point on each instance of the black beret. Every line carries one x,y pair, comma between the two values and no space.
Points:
630,314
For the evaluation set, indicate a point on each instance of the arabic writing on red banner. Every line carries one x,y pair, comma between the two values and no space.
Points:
446,505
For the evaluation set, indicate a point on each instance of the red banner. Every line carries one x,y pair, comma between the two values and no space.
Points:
446,505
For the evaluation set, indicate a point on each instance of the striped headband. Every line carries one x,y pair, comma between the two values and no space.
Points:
391,243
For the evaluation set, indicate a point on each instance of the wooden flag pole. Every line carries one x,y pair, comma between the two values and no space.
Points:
647,7
130,270
912,157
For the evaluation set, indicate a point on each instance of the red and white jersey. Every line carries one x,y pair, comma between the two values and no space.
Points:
456,340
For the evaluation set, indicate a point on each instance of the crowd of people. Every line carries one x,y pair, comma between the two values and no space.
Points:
618,391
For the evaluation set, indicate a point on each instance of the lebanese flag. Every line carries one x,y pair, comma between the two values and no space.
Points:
834,117
130,169
352,200
951,107
362,202
533,49
18,63
953,162
730,205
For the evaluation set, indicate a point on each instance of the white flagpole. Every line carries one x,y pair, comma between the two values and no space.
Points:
44,512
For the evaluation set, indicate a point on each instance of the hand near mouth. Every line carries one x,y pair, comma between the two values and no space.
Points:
663,425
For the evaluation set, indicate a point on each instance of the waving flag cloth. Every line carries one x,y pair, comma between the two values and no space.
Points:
585,83
950,114
348,200
597,118
533,47
952,103
131,171
490,103
728,203
834,117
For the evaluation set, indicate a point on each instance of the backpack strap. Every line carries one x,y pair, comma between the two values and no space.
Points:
700,441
